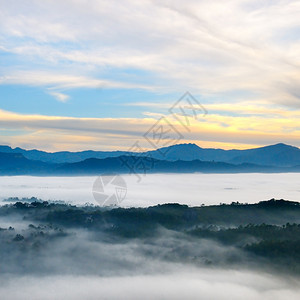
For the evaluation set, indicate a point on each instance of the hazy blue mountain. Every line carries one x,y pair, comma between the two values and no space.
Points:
274,155
191,152
140,165
62,156
279,155
17,164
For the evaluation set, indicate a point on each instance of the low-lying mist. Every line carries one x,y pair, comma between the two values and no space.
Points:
182,283
59,251
153,189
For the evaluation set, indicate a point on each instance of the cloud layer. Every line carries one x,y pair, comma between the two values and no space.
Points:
209,47
240,56
203,284
249,126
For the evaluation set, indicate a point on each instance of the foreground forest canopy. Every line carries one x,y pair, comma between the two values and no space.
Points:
43,237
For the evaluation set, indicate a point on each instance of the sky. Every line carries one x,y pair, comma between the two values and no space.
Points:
103,74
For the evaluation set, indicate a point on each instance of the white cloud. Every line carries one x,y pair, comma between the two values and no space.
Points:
182,284
205,46
62,81
71,133
60,96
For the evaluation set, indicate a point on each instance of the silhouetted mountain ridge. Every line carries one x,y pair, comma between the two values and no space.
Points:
17,164
278,155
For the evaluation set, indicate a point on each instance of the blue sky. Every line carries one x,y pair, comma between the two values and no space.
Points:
119,66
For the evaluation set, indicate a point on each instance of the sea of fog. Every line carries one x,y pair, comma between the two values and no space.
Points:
182,284
191,189
80,266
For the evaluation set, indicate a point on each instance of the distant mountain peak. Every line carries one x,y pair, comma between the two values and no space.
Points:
281,146
280,154
185,145
5,148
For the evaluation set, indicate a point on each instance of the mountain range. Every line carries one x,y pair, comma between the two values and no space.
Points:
176,159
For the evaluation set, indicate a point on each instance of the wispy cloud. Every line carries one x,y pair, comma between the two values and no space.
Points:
53,80
215,130
208,47
248,49
60,96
